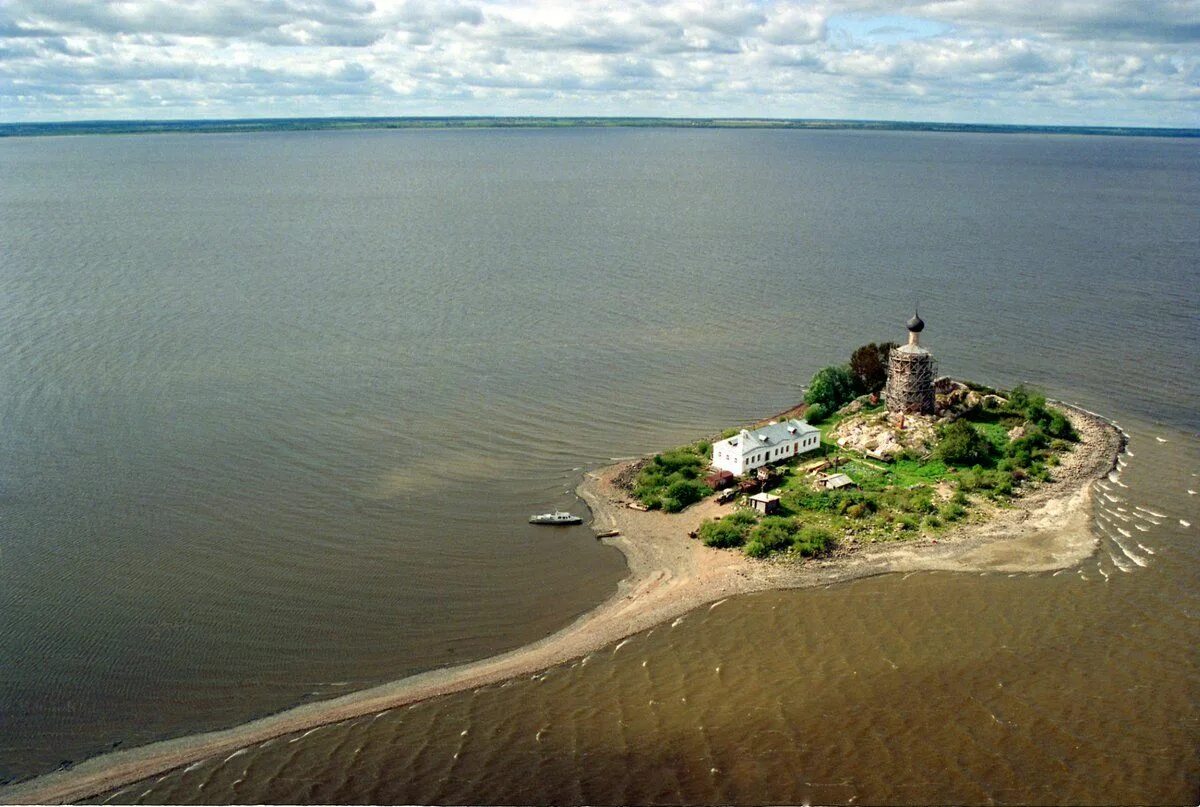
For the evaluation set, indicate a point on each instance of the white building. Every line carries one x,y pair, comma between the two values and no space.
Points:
748,450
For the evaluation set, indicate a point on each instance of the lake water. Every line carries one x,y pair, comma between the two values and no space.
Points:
274,409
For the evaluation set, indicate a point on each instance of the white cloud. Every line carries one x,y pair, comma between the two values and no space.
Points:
1132,62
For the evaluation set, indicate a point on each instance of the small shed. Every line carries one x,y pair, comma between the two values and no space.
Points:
719,480
835,482
764,503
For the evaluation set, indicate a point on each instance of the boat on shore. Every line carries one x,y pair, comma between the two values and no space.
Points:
558,517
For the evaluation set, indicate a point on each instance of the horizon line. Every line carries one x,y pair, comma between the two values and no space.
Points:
234,124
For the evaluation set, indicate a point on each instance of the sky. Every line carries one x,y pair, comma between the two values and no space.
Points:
1049,62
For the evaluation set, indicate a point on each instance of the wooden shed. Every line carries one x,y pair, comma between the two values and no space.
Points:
835,482
719,480
764,503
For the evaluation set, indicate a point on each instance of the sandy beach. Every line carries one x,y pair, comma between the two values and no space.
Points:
670,574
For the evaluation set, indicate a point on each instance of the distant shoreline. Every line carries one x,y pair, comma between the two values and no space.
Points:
669,575
248,125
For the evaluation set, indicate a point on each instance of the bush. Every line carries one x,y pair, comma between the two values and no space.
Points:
658,484
680,461
933,521
963,444
906,522
812,541
1032,406
722,534
742,518
773,533
952,511
682,493
816,413
756,549
916,500
830,387
860,510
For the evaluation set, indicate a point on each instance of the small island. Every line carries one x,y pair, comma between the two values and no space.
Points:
881,450
932,475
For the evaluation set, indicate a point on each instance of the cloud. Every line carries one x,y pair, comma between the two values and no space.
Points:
1128,62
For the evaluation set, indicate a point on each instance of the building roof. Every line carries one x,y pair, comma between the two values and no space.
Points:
838,481
747,442
916,324
764,497
915,350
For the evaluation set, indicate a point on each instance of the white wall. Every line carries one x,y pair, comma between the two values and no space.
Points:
730,458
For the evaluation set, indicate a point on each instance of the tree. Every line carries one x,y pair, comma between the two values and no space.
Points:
869,365
963,444
830,388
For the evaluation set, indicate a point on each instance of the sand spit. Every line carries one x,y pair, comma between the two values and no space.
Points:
669,575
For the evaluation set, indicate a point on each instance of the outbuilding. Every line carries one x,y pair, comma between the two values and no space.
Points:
775,442
835,482
764,503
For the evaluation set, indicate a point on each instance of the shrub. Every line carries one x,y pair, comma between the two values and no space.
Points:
831,387
952,511
682,493
962,444
860,510
774,533
812,541
819,500
916,500
680,461
816,413
742,518
933,521
722,534
756,549
906,522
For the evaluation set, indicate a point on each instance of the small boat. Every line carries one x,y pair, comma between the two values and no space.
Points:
557,517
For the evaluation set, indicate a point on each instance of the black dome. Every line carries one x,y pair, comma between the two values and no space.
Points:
916,324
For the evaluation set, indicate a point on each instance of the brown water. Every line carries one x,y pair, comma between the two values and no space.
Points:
1073,687
274,409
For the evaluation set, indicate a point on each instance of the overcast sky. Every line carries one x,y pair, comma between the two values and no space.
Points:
1107,62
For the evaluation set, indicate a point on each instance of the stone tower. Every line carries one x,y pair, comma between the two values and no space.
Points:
911,371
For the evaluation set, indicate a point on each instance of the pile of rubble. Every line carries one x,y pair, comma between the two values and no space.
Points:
952,398
876,436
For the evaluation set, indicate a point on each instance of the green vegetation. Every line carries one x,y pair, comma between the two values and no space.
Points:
960,443
869,364
729,531
830,389
987,453
671,480
771,534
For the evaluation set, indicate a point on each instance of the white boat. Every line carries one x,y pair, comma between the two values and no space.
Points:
557,517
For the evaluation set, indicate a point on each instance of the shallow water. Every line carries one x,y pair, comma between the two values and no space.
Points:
275,408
